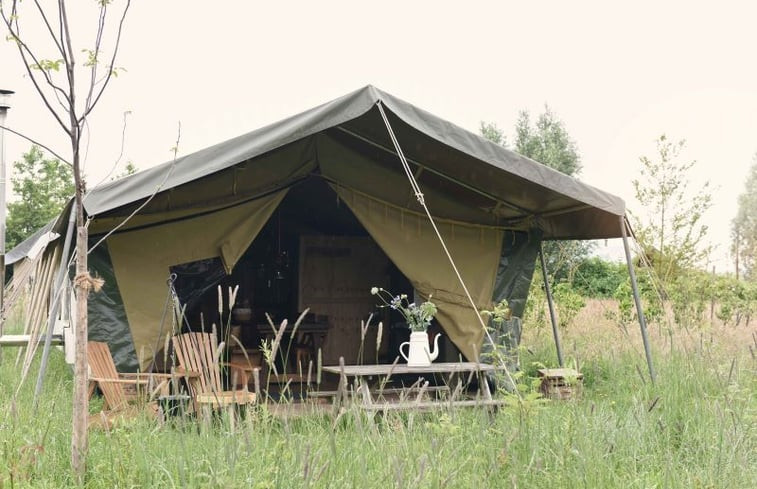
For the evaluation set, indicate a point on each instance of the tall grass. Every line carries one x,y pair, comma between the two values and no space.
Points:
694,428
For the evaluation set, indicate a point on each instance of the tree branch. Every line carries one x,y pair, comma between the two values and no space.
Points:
88,109
95,62
21,46
37,143
49,28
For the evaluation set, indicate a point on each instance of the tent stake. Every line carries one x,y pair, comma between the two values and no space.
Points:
637,300
55,305
551,304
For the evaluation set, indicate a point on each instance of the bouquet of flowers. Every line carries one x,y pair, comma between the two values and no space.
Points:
417,317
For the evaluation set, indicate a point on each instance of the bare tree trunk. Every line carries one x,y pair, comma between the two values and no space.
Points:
79,441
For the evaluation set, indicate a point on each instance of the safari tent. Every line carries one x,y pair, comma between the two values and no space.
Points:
314,210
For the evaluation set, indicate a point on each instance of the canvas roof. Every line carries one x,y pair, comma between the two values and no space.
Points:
504,188
34,244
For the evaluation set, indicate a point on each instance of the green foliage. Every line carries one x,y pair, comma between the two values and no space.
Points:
744,227
547,141
568,302
564,257
595,277
650,301
47,65
535,313
500,313
671,232
493,133
42,186
736,300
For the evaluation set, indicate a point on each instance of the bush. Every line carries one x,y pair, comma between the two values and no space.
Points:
595,277
568,302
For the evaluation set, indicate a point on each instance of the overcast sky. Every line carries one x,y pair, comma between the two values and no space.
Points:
618,76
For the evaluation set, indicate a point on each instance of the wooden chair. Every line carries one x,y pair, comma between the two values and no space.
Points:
115,386
198,355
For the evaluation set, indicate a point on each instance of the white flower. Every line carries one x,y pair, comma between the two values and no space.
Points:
374,290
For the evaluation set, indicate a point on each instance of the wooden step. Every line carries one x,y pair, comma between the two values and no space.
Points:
24,339
429,405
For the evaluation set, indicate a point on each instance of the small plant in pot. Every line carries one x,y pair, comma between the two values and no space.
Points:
418,319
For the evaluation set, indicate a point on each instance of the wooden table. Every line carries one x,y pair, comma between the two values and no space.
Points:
362,373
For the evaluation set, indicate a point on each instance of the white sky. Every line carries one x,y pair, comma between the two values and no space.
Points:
618,76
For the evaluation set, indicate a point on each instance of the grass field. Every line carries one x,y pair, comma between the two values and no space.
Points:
695,428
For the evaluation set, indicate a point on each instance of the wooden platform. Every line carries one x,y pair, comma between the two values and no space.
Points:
431,405
402,369
24,339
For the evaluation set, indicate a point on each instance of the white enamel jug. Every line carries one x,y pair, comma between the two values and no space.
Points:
418,354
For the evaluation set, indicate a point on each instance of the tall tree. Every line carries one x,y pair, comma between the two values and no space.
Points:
70,102
43,186
744,227
493,133
547,141
671,229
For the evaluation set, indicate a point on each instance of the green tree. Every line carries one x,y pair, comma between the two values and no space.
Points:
744,228
43,186
547,141
599,278
493,133
671,231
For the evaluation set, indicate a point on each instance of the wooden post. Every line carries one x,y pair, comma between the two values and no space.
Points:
4,106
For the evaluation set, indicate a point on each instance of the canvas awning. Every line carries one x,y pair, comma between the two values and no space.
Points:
462,169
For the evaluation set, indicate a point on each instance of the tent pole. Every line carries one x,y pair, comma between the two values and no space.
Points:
637,300
55,304
551,303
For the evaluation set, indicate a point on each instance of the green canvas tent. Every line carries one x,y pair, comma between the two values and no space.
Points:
335,168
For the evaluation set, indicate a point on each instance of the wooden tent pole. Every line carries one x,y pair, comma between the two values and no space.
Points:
637,299
55,304
551,304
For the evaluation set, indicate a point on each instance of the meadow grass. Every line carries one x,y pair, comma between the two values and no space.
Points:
694,428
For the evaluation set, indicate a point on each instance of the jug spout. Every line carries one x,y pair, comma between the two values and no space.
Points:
435,353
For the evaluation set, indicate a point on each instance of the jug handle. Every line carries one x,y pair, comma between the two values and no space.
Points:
408,350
